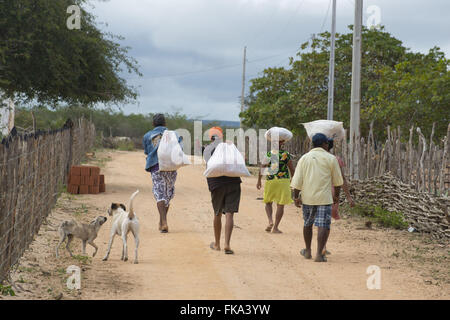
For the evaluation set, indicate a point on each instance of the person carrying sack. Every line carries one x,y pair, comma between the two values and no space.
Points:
163,181
316,173
225,195
277,187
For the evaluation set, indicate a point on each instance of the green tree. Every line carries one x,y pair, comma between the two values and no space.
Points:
416,92
42,60
290,96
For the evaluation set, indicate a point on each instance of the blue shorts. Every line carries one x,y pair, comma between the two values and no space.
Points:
320,216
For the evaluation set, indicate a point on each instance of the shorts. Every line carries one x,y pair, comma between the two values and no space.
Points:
319,215
164,185
226,199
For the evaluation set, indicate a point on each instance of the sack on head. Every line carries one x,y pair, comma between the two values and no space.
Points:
170,155
226,161
332,129
282,134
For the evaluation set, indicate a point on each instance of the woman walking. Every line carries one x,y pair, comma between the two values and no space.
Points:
277,187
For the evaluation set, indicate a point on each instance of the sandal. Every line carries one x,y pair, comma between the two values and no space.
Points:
229,251
304,253
321,258
211,245
269,227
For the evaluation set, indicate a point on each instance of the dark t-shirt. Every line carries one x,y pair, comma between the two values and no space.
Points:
217,182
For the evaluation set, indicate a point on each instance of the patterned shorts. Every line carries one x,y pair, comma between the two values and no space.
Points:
164,185
319,215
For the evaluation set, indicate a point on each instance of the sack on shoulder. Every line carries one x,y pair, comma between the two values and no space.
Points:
170,155
226,161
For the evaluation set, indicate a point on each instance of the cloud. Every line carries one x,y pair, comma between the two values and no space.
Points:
190,51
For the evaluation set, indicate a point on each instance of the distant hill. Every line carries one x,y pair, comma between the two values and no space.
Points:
222,123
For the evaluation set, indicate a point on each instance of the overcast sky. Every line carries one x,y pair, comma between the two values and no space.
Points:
190,51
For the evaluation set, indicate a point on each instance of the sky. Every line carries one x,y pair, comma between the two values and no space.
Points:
190,52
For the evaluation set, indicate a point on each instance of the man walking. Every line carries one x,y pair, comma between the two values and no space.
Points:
163,181
316,172
225,195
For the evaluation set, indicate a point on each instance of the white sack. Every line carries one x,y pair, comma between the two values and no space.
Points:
332,129
226,161
282,134
170,155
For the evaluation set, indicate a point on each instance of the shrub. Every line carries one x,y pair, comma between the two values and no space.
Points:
383,217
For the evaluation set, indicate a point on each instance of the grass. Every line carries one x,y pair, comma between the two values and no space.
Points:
6,290
125,146
82,259
383,217
81,210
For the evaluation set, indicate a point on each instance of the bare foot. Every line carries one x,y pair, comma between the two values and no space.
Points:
214,247
164,229
276,231
269,227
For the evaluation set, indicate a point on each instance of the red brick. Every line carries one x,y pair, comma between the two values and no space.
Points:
102,188
96,181
72,189
94,189
84,181
102,179
75,170
75,180
95,171
85,171
84,189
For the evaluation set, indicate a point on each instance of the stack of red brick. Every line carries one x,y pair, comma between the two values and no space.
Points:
86,179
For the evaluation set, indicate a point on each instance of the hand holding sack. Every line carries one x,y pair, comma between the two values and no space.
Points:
226,161
280,134
332,129
170,155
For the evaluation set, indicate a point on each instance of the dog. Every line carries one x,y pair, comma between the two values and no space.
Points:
86,232
122,223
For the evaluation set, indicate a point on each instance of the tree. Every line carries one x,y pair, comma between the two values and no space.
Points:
42,60
290,96
416,92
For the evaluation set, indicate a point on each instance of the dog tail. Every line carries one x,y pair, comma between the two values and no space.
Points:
131,212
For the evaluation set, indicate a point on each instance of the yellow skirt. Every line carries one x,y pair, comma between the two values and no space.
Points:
278,191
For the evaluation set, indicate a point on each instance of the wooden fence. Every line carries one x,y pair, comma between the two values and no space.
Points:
33,170
425,165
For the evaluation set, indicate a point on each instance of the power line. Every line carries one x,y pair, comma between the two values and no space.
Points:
326,17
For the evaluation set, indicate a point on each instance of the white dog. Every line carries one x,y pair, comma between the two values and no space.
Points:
122,223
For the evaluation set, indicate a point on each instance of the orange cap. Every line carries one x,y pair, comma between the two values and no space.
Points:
216,131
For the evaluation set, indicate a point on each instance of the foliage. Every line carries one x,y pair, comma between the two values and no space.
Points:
125,145
385,218
107,121
391,79
42,60
6,290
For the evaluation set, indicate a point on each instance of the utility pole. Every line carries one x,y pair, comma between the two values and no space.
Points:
331,74
243,82
356,91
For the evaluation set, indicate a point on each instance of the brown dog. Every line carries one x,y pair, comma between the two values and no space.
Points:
86,232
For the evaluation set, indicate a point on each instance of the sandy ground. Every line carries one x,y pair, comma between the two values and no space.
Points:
180,264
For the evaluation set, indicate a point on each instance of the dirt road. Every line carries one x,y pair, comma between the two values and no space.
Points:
180,265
